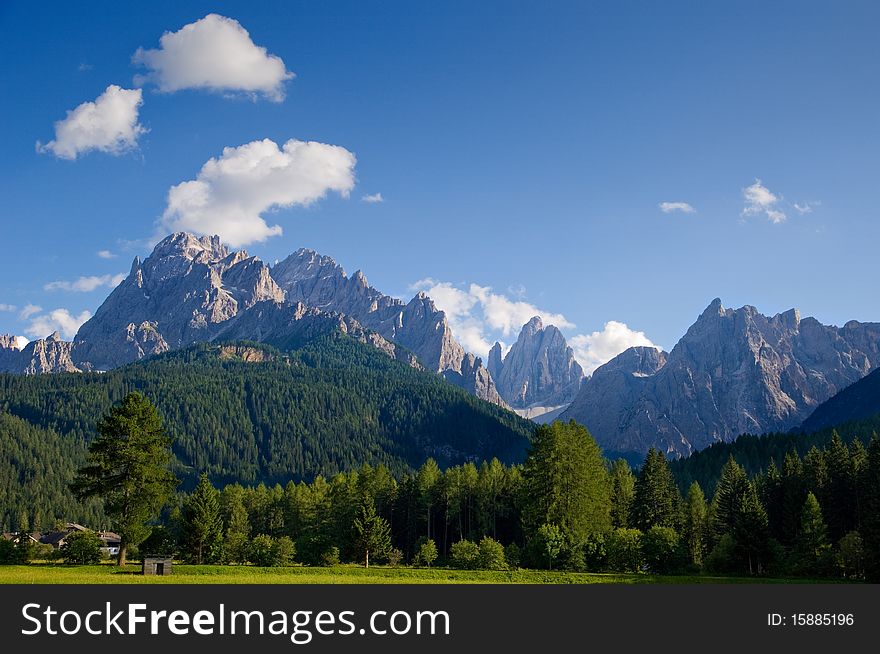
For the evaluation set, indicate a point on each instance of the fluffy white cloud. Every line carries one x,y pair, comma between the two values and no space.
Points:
7,307
230,193
109,124
21,342
214,53
669,207
759,199
105,254
60,320
372,199
85,284
479,316
29,310
592,350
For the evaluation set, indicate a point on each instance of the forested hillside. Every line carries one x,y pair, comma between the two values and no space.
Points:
250,413
755,453
856,402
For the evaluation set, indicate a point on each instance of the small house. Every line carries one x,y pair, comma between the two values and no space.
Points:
157,565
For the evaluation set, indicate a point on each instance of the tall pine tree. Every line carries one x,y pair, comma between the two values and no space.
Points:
656,497
202,524
127,469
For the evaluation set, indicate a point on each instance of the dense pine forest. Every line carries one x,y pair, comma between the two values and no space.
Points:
754,453
249,413
817,516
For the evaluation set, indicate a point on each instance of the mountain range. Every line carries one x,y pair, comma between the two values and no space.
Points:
735,371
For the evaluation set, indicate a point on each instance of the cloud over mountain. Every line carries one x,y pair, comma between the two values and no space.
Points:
231,193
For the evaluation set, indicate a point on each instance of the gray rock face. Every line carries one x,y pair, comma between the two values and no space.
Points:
318,281
733,372
174,298
44,355
539,370
194,289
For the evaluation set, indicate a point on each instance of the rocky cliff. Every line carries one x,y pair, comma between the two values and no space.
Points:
539,370
44,355
733,372
177,296
318,281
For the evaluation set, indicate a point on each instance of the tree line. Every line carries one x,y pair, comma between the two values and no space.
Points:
328,407
567,507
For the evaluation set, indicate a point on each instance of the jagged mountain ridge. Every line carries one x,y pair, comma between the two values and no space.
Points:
193,289
735,371
318,281
50,354
539,370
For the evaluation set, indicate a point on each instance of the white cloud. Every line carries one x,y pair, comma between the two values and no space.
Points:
109,124
759,199
230,193
60,320
214,53
593,350
29,310
7,307
21,342
105,254
669,207
85,284
372,199
478,316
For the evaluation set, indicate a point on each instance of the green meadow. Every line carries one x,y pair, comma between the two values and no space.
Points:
343,574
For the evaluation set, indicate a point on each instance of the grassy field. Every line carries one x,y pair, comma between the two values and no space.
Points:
343,574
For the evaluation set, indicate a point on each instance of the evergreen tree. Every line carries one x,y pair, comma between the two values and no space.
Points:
816,473
565,483
839,507
622,492
656,498
203,524
751,533
812,548
771,493
696,524
373,535
733,485
870,494
793,495
128,469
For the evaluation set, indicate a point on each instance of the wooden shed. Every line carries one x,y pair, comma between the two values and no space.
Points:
157,565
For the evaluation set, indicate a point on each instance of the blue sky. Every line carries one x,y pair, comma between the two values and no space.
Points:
522,148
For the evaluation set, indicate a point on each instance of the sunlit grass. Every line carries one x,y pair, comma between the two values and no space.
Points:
343,574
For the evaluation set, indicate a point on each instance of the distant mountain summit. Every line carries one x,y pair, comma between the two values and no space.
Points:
175,297
539,371
735,371
44,355
318,281
194,289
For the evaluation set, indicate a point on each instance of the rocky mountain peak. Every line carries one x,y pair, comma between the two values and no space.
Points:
191,247
735,371
532,327
539,370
